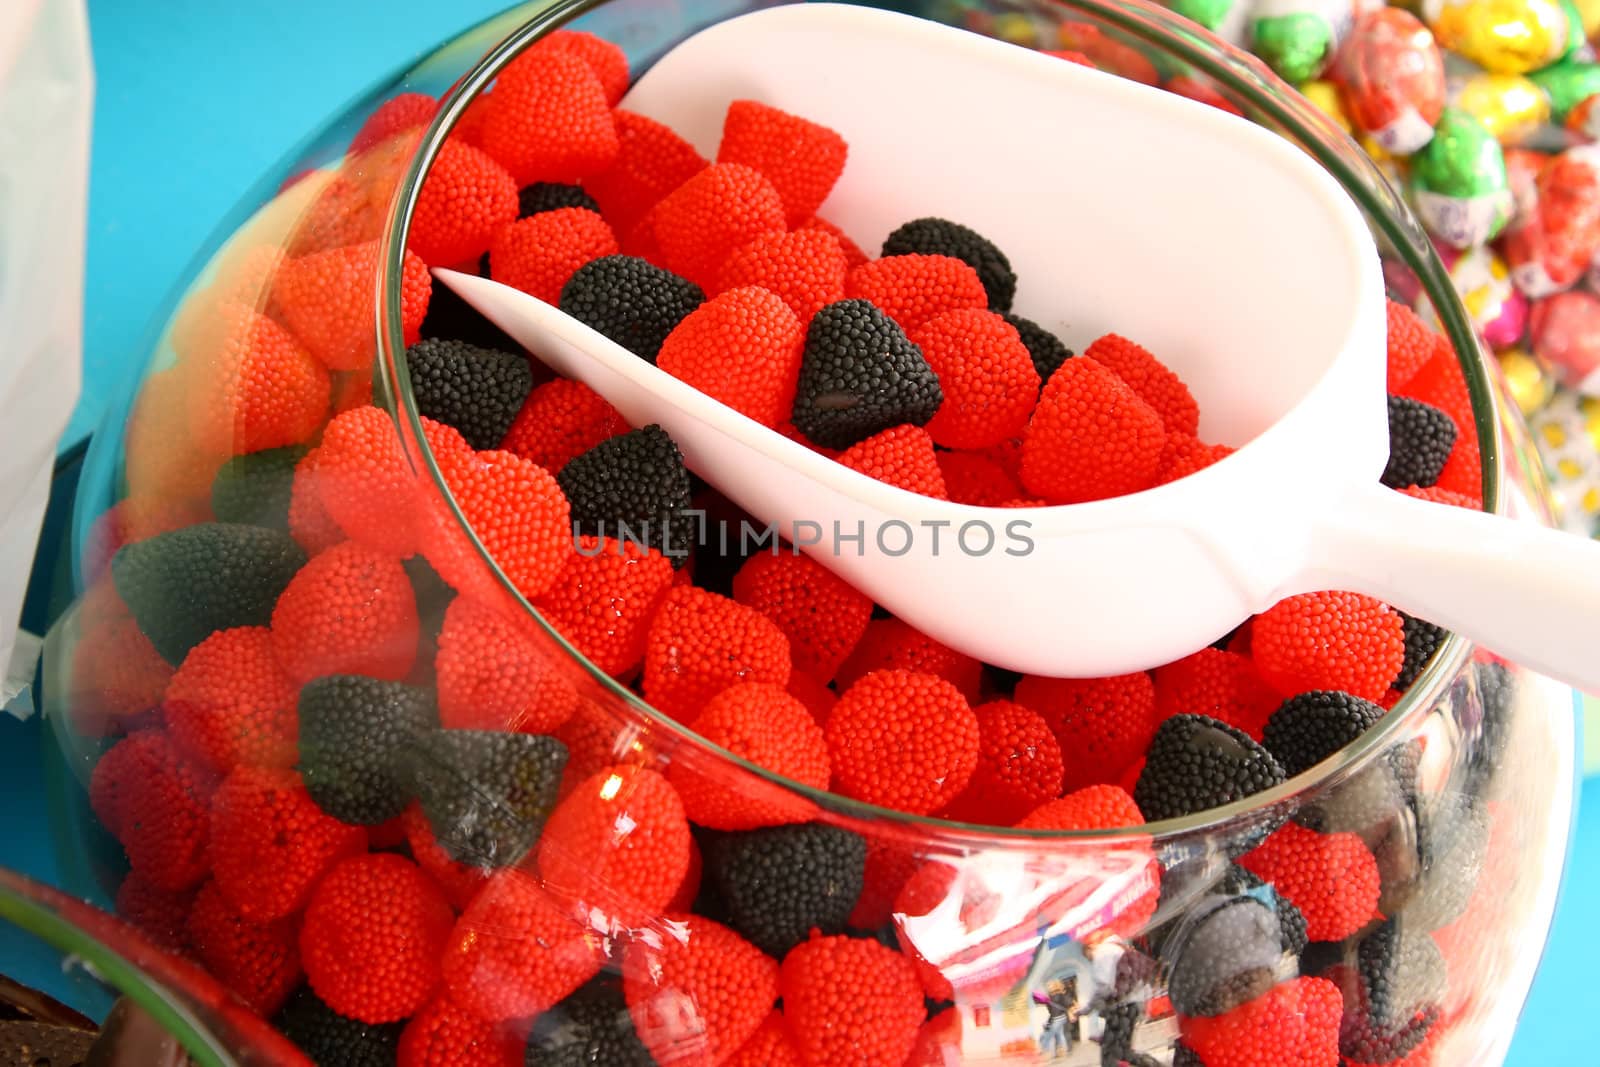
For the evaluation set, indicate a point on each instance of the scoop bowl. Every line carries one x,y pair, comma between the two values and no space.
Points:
1214,243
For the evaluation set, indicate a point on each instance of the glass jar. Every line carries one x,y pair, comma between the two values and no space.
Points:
128,1000
1440,832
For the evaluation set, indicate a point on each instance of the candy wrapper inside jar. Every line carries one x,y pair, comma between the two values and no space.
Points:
1530,379
1392,78
1325,97
1397,169
1513,108
1573,90
1567,432
1522,176
1506,36
1458,182
1557,237
1588,16
1564,331
1498,311
1228,19
1297,38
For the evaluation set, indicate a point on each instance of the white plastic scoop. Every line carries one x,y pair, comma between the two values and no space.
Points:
1216,244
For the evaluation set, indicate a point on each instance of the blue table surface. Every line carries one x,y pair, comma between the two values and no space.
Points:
194,101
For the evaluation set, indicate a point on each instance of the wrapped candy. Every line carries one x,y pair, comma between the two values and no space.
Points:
1402,283
1564,331
1499,312
1588,15
1567,432
1556,236
1573,90
1530,381
1522,175
1228,19
1506,36
1392,77
1016,28
1458,182
1510,106
1324,96
1395,168
1297,38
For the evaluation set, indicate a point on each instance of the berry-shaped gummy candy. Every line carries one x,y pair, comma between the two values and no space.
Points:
632,301
1329,640
230,703
759,722
374,933
722,207
1091,437
541,253
743,348
912,289
465,198
477,391
985,373
357,735
486,794
941,237
618,845
903,457
860,375
1101,724
183,586
515,952
801,158
350,610
549,118
700,644
270,842
850,1001
731,983
902,740
560,420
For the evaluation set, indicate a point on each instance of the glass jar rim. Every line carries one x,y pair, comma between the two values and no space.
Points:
1187,42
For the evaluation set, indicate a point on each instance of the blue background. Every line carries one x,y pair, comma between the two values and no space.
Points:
195,100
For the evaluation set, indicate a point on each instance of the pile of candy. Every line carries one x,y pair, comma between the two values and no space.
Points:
349,779
1485,114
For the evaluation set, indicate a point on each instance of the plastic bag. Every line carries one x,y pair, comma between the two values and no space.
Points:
46,89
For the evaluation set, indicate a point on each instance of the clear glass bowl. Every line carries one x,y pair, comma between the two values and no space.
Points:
1461,797
128,1000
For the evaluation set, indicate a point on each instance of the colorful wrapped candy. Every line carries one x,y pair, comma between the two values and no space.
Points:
1573,90
1522,176
1588,16
1567,432
1506,36
1392,78
1498,310
1395,168
1228,19
1297,38
1511,107
1532,384
1458,182
1564,331
1554,241
1324,95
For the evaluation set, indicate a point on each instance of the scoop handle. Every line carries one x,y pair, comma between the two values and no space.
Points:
1528,592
